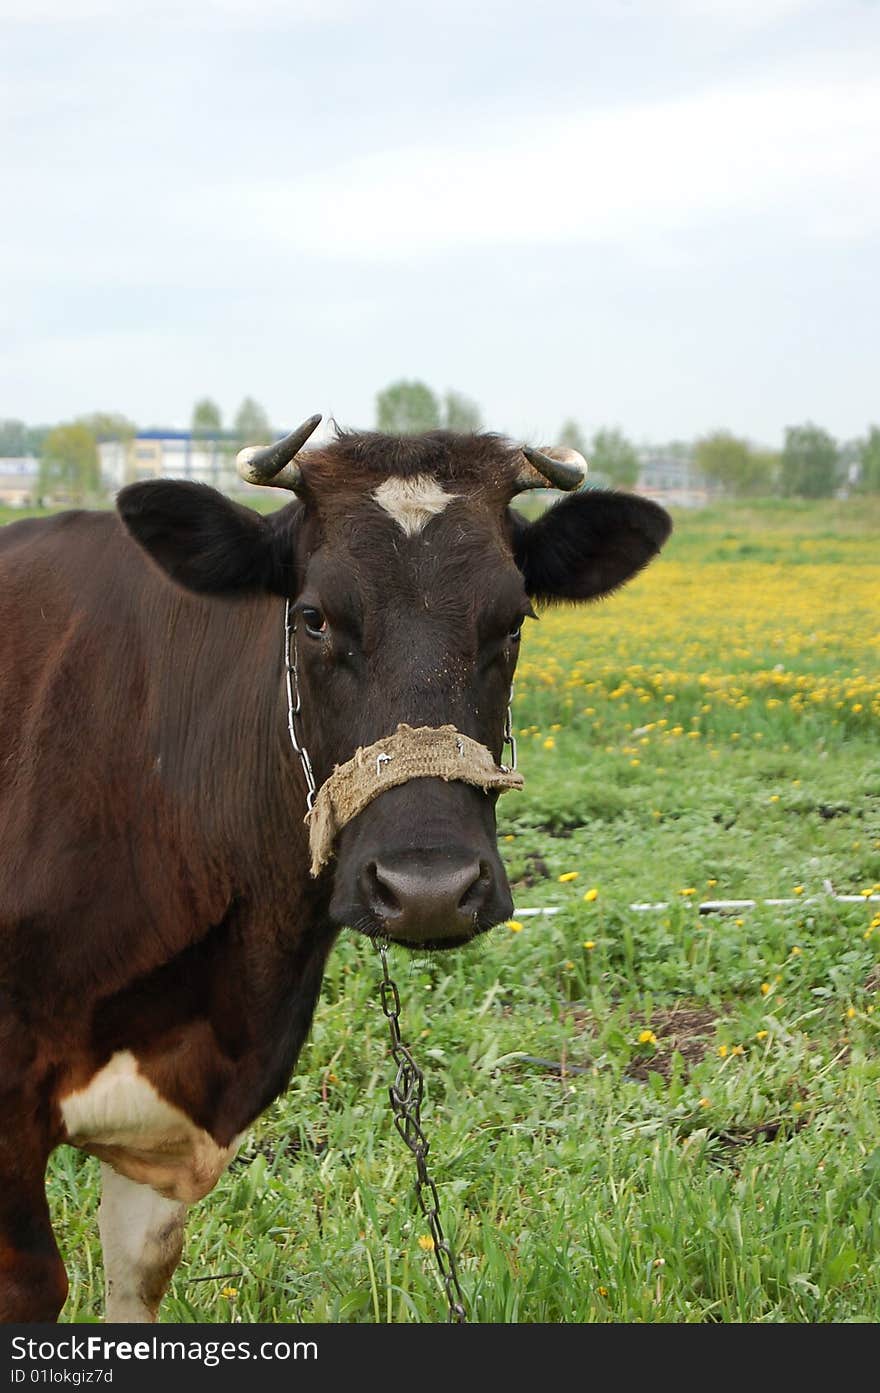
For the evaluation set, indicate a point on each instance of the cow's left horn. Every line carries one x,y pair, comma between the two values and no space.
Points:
275,465
555,464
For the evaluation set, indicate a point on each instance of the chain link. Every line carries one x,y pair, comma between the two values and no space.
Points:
406,1094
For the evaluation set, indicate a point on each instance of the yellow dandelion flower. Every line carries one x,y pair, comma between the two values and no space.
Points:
568,876
592,894
723,1051
705,1103
426,1243
850,1012
229,1292
765,988
761,1035
590,944
798,890
549,743
515,926
647,1037
737,1049
689,890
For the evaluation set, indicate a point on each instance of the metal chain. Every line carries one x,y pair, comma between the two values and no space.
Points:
294,705
406,1095
509,737
407,1091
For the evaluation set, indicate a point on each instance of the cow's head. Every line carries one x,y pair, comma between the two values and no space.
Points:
410,578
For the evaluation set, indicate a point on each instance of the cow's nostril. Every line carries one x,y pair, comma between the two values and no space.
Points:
378,893
476,892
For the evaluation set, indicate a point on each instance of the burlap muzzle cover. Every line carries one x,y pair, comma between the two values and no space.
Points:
412,752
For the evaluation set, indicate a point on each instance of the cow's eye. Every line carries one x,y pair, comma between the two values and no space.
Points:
315,623
515,634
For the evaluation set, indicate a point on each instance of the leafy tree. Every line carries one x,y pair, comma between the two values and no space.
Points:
732,463
69,464
207,421
407,408
109,425
13,439
573,437
766,467
460,413
251,425
869,461
614,458
36,439
810,466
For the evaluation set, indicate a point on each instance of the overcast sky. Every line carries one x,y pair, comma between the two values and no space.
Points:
659,214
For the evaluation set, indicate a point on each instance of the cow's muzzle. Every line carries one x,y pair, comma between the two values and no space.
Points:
429,899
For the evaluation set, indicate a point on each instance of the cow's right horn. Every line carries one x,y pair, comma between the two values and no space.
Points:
275,466
555,465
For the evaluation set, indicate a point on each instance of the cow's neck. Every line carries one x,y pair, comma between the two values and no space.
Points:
232,791
219,732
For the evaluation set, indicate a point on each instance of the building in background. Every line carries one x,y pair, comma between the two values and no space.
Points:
19,479
169,454
669,476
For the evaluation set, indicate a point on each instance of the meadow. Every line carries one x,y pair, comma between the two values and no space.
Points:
657,1115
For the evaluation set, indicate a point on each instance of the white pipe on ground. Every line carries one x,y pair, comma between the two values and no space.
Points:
725,906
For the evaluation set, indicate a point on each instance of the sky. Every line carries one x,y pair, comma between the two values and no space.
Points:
660,215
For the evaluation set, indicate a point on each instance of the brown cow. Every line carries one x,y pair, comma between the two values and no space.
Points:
162,940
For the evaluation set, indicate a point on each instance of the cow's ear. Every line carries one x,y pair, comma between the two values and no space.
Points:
588,544
204,541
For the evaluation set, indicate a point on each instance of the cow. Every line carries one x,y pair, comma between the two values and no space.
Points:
179,679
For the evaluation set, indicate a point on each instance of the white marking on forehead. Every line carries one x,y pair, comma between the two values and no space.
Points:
412,502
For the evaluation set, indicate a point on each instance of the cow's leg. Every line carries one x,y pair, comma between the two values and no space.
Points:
33,1282
142,1239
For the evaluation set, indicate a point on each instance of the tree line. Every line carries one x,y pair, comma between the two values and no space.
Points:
811,463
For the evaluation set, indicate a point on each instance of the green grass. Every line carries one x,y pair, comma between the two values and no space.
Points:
724,1167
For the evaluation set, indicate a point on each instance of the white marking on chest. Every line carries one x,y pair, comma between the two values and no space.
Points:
412,502
121,1117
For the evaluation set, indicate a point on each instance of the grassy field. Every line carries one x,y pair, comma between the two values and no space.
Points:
633,1116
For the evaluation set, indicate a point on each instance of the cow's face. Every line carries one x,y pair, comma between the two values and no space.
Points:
410,580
